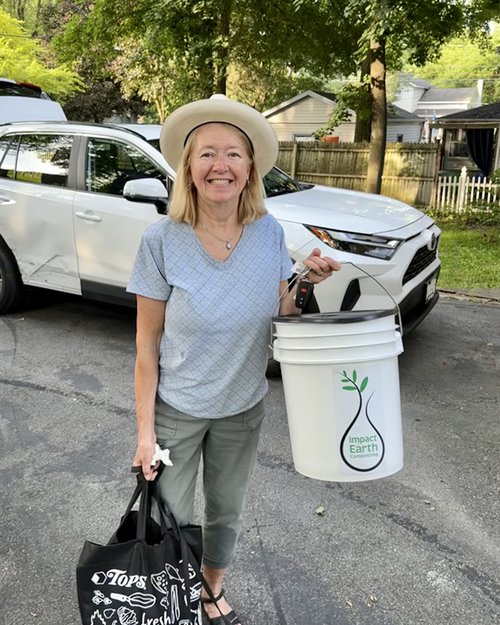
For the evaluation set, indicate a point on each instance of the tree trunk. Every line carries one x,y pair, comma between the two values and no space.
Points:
379,117
223,51
363,126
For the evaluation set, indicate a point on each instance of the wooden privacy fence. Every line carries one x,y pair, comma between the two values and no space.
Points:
410,169
458,192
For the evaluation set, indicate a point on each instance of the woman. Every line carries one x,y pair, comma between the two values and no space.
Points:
208,280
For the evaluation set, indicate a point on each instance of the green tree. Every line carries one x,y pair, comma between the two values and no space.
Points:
27,11
63,25
172,51
23,58
394,30
463,61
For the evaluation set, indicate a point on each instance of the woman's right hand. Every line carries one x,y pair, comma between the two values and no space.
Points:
143,457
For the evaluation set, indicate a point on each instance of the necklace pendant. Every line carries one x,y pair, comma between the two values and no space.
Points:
228,245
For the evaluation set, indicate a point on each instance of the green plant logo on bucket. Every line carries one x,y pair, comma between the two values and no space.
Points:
362,447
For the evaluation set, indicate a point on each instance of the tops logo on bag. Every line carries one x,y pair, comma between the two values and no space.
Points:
125,608
116,577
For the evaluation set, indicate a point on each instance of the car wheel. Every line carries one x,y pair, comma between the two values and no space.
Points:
11,286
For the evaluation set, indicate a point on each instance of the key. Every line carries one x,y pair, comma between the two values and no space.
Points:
304,294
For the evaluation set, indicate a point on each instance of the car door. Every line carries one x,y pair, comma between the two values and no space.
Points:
108,228
36,198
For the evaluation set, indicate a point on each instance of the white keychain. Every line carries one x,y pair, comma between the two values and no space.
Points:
163,455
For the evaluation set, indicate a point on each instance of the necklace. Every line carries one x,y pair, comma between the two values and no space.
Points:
227,242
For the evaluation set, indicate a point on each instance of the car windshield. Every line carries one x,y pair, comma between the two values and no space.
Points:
155,143
276,182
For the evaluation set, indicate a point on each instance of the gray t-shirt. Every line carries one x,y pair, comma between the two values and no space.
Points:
213,352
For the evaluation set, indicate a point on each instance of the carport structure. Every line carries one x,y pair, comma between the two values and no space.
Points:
482,131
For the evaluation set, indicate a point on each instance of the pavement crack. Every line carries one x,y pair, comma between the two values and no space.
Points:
278,608
100,403
481,581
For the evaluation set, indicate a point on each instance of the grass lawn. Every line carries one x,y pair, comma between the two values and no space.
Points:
470,256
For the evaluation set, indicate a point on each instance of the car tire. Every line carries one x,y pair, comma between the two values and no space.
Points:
11,285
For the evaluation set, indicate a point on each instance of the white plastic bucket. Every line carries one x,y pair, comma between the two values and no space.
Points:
341,383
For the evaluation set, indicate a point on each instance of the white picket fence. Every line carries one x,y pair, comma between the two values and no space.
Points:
458,192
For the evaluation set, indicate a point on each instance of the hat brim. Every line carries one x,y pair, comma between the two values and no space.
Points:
185,119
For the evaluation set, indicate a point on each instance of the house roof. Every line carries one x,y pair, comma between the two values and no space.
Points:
394,113
487,116
418,82
460,94
318,95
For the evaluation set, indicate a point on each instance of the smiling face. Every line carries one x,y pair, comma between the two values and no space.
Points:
220,165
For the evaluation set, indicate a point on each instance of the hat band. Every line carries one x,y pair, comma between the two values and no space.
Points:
219,122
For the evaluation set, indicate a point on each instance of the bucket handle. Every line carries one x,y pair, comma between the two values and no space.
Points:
301,271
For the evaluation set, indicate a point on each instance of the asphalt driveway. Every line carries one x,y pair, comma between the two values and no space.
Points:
419,547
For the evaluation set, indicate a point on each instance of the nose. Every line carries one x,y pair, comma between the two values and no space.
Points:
220,162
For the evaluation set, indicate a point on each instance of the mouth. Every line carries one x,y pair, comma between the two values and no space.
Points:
219,181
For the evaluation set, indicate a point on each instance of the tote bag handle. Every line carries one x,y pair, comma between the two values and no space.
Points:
148,491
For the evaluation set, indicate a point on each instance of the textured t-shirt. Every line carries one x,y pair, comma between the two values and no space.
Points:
213,352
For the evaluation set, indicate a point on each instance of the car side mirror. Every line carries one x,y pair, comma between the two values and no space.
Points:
147,190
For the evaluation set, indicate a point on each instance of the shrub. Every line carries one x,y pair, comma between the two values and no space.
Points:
477,214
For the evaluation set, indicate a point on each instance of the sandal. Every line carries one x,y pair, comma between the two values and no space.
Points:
224,619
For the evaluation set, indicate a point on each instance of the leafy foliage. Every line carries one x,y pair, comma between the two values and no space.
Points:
463,61
65,24
172,51
351,97
472,215
23,58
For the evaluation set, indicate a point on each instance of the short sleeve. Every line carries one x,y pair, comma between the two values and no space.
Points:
148,273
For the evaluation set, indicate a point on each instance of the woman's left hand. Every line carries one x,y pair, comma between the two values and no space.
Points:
321,267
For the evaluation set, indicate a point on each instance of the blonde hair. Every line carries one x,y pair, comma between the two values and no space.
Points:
183,203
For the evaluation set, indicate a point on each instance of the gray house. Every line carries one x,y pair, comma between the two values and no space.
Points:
419,97
299,117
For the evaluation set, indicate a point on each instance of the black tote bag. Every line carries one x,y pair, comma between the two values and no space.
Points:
148,573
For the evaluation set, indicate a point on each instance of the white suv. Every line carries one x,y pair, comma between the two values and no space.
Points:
68,223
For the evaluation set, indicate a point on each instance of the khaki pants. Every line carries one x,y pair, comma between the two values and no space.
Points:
229,450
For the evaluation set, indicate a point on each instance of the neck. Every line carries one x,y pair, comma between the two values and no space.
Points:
218,216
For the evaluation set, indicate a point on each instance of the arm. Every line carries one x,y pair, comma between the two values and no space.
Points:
287,302
150,320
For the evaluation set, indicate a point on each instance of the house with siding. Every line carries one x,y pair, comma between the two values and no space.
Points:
299,117
428,102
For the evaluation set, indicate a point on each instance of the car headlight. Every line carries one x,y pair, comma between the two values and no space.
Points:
365,244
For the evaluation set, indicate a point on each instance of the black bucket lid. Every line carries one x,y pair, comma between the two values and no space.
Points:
344,316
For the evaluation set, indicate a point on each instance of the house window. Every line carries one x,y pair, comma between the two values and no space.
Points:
297,136
457,145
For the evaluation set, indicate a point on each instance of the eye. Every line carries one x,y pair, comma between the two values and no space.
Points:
207,154
234,155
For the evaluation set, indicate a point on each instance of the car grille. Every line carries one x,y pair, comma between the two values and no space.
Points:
422,259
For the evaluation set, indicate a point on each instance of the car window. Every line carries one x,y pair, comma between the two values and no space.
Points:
41,159
25,90
110,164
276,182
8,153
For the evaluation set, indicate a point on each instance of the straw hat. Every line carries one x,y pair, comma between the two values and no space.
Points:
218,108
